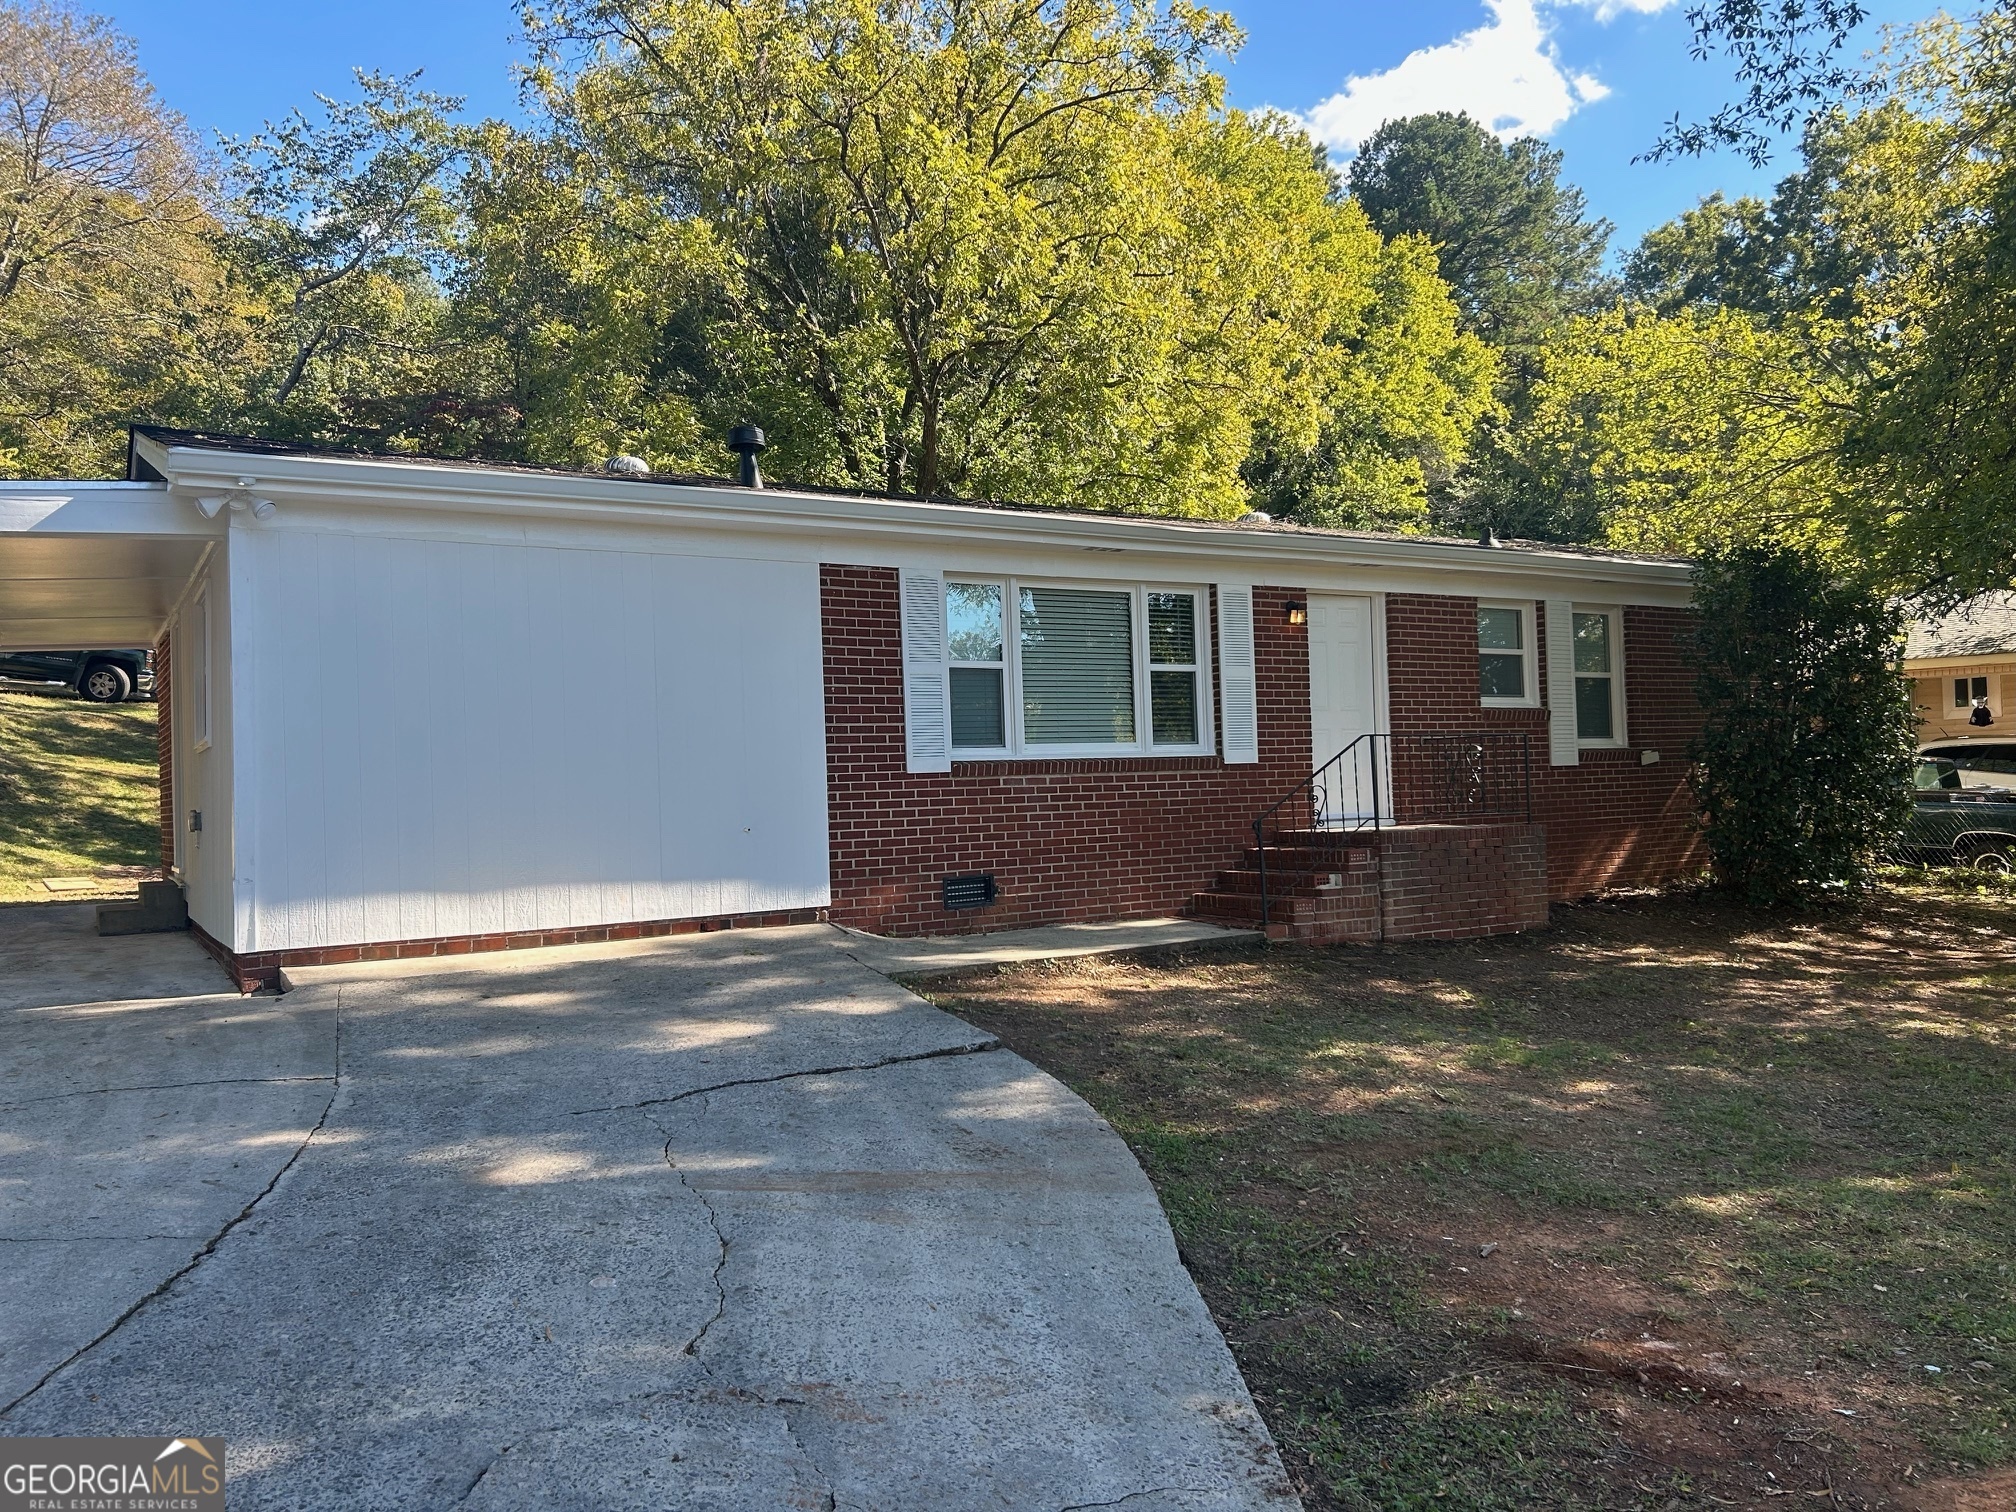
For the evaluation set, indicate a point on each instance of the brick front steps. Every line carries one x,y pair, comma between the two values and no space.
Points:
1408,882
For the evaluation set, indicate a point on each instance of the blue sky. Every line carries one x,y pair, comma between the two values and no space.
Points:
1595,77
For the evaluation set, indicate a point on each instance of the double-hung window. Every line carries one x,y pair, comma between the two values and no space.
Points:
1599,677
1967,689
1040,669
1506,675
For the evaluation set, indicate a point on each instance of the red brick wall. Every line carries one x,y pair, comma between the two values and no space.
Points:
1463,881
1611,821
1080,840
1068,841
164,750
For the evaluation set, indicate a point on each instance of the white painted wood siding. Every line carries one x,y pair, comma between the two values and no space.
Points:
203,779
465,738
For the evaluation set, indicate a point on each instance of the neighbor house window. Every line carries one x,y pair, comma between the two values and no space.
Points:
1044,669
1505,672
1599,690
1967,689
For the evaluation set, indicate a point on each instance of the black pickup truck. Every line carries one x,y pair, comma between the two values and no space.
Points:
100,676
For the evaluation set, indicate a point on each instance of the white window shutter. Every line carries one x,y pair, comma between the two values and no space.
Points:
1562,746
927,724
1238,678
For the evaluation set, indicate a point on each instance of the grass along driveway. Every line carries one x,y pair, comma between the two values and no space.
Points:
79,785
1665,1206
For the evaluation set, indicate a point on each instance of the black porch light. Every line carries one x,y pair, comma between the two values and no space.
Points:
1297,612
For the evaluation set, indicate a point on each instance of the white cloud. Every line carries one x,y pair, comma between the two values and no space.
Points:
1507,74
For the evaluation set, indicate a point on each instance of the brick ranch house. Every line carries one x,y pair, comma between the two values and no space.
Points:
414,707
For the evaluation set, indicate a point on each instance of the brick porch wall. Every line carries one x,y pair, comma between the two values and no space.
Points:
1611,821
1068,841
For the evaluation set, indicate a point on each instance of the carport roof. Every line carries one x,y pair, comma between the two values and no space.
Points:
93,565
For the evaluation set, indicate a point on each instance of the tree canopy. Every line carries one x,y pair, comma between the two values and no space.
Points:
988,248
1514,241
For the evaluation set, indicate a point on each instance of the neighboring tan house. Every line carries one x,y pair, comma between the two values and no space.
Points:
1968,655
416,707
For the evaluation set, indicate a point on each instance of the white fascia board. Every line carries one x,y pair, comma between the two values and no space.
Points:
84,509
877,531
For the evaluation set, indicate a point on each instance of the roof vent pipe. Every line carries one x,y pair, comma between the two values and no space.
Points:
1489,539
748,440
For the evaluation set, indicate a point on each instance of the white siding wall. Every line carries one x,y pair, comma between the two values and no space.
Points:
454,738
203,779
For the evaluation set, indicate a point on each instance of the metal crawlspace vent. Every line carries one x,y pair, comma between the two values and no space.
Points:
975,890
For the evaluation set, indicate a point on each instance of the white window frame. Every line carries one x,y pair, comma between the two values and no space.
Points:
1017,748
1529,625
1622,737
205,691
1006,667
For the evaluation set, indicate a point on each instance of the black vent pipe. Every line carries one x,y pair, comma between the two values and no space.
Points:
748,440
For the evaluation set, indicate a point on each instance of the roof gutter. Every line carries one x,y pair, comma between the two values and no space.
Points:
392,484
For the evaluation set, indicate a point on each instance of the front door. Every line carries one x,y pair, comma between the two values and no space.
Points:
1343,705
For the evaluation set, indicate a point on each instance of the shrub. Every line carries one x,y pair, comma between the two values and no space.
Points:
1803,765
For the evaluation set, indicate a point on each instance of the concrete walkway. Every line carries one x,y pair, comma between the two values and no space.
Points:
722,1222
926,956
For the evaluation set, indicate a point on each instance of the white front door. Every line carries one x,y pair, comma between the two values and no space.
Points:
1343,705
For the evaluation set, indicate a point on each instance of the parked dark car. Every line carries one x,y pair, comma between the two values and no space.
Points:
101,676
1955,822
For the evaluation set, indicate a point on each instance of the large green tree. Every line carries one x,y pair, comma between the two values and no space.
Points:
341,225
993,249
1514,241
111,298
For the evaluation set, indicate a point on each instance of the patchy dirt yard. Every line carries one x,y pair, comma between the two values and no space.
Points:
1667,1206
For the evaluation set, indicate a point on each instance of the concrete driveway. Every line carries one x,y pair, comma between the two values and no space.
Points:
730,1221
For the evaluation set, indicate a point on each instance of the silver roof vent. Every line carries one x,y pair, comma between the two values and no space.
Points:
623,465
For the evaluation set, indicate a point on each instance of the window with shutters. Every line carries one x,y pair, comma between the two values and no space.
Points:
1049,669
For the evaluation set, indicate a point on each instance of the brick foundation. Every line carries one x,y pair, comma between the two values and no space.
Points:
255,969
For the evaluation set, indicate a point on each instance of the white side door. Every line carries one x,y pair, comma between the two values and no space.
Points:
1343,705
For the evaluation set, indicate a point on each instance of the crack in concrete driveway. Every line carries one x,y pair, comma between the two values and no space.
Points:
722,1222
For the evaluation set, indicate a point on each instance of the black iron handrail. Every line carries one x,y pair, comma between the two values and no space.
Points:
1444,777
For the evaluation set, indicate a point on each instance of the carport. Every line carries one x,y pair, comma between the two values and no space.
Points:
103,565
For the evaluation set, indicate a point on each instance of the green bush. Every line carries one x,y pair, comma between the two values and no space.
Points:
1803,765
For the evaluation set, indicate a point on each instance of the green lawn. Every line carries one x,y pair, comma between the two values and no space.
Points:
78,795
1665,1206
